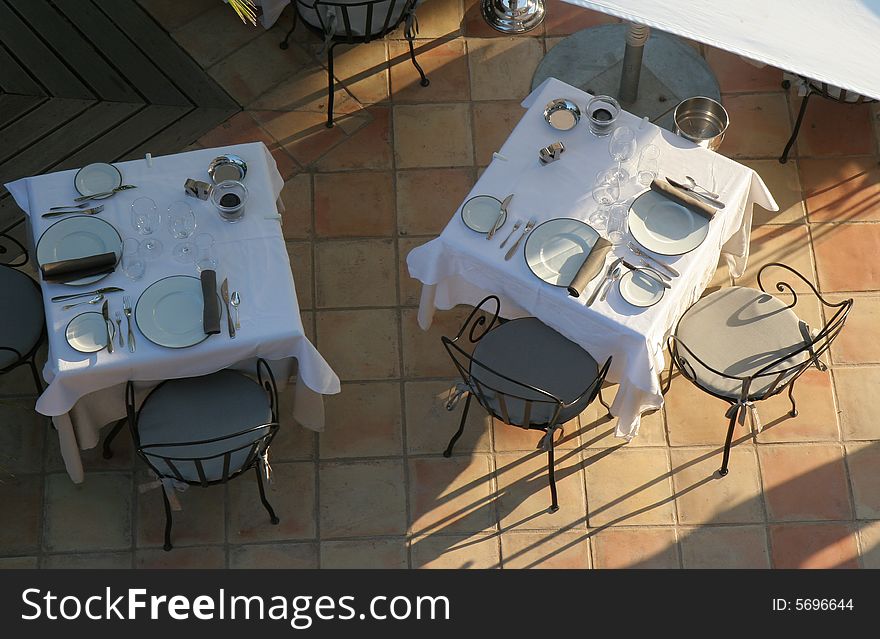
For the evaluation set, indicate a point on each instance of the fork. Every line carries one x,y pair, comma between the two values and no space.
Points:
81,205
119,324
529,226
91,211
512,231
126,308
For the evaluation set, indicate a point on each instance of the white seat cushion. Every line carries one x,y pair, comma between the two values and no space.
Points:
357,15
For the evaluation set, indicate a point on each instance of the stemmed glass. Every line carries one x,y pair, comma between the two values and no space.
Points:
145,218
606,191
622,147
181,224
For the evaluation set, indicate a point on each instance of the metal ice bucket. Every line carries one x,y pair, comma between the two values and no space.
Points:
701,120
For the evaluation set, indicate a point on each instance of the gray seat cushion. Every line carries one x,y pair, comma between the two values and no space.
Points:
202,408
738,331
22,319
357,16
530,352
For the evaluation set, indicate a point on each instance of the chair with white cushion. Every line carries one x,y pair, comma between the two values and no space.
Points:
743,345
523,373
204,431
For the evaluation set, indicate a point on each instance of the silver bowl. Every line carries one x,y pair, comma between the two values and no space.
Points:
227,167
701,120
562,114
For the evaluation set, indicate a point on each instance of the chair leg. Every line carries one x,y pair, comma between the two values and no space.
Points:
272,516
665,389
412,54
467,405
551,475
284,43
726,458
604,403
168,545
793,412
797,127
36,375
330,85
108,452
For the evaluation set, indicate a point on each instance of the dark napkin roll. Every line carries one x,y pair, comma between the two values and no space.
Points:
697,206
211,316
590,268
69,270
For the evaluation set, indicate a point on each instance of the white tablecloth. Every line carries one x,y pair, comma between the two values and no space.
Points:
251,253
461,267
834,42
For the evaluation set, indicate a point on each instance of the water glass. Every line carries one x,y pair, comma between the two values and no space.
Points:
606,191
622,148
133,264
181,220
205,253
229,197
602,111
617,224
649,165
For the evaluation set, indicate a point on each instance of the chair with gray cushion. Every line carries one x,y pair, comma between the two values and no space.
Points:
744,345
22,322
523,373
204,431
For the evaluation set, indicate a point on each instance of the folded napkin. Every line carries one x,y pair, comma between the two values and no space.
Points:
211,315
697,206
69,270
590,268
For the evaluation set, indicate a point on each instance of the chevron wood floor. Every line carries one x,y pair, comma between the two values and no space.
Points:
93,80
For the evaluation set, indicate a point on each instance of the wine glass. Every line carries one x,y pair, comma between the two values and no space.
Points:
649,165
205,255
622,147
132,259
606,191
181,223
145,219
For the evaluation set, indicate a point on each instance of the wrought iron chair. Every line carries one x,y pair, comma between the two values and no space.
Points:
355,22
744,345
204,431
22,322
814,87
525,374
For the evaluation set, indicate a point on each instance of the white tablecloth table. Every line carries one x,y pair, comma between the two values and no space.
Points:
85,392
461,267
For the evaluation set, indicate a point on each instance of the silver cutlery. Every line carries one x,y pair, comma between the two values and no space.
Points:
91,211
100,196
694,185
108,323
512,231
648,273
106,289
529,226
97,298
614,277
718,204
602,283
224,293
501,215
126,309
635,249
119,325
646,263
235,300
83,205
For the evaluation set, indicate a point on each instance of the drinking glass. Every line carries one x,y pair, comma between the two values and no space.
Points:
205,255
602,111
229,197
606,191
649,165
181,224
617,224
133,263
145,219
622,147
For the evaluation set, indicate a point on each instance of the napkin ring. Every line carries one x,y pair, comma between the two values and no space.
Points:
551,153
197,188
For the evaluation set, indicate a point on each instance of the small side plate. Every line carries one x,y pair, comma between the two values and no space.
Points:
87,333
562,114
480,212
97,178
227,167
641,287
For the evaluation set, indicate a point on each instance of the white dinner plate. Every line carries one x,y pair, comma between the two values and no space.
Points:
78,236
97,178
556,249
641,287
665,227
170,312
480,212
87,333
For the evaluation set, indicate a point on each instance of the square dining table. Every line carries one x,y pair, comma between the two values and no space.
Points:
462,267
85,391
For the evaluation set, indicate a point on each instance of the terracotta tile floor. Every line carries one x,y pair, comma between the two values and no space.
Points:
373,491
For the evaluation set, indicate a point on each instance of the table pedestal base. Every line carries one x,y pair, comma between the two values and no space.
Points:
513,16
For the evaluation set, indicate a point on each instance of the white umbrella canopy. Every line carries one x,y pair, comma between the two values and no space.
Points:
832,41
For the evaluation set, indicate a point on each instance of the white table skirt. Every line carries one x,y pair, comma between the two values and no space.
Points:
461,267
84,392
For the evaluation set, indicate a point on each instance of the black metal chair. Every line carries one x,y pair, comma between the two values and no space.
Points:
355,22
814,87
744,345
22,322
204,431
525,374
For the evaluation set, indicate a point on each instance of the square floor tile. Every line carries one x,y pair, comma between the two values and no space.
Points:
360,345
736,75
859,414
291,493
509,438
172,14
432,135
279,556
423,352
635,548
369,147
300,256
456,552
813,546
90,561
805,482
304,88
832,128
694,417
762,125
22,435
200,35
360,499
451,495
303,134
629,486
89,516
445,64
816,418
342,201
785,186
725,547
859,341
562,18
869,537
557,549
356,273
863,460
429,426
201,522
704,498
20,532
502,68
789,244
427,199
846,256
363,70
194,557
370,553
410,287
292,442
493,124
296,196
364,420
18,563
437,18
598,429
841,189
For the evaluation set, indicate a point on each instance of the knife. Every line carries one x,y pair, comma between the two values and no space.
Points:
224,293
647,272
108,289
718,204
108,323
601,284
501,216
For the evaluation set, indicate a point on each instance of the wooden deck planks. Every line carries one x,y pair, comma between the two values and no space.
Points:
14,106
38,123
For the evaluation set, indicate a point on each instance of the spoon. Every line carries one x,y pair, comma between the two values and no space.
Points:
235,300
97,298
614,277
694,185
